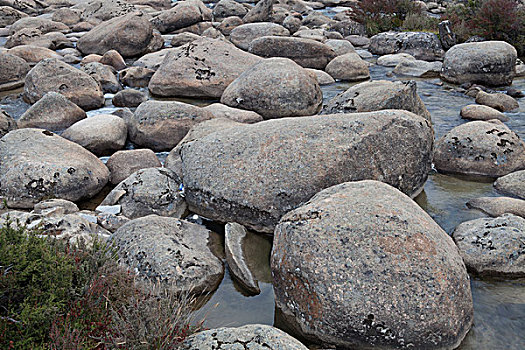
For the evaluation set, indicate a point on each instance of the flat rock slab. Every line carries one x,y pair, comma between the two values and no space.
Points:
36,164
173,251
362,266
253,174
493,247
497,206
234,237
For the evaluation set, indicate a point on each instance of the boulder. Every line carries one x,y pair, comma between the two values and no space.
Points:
124,163
104,75
9,15
234,235
183,14
7,123
393,60
96,11
244,34
423,46
228,24
52,112
129,98
148,191
497,206
34,37
292,23
341,47
114,59
152,60
481,112
228,8
305,52
13,71
161,125
488,63
253,174
261,12
130,35
67,16
512,184
418,69
101,134
356,267
173,251
33,54
348,67
42,24
493,247
499,101
55,75
136,76
323,78
203,68
38,164
253,336
239,115
275,88
377,95
480,148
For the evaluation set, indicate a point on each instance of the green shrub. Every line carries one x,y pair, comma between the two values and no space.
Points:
420,23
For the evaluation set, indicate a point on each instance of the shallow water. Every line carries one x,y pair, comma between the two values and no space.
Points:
499,306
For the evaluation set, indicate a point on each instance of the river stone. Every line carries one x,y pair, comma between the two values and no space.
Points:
42,24
97,11
239,115
481,112
170,250
512,184
130,35
234,237
423,46
7,123
182,14
104,75
348,67
227,8
493,247
114,59
183,39
152,60
161,125
393,60
377,95
323,78
129,98
148,191
499,101
253,174
253,336
488,63
67,16
33,54
261,12
124,163
52,112
305,52
34,37
497,206
292,23
418,69
356,267
101,134
228,24
244,34
136,76
480,148
9,15
203,68
55,75
275,88
341,47
37,164
13,71
55,206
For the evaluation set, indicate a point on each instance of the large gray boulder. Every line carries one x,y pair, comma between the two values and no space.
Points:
228,8
96,11
261,12
244,34
37,164
130,35
124,163
513,184
104,75
148,191
253,336
202,68
489,63
377,95
497,206
362,266
52,112
348,67
493,247
55,75
305,52
253,174
423,46
42,24
9,15
176,252
480,148
275,88
183,14
13,71
501,102
161,125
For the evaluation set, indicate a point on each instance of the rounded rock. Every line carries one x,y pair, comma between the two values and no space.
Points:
124,163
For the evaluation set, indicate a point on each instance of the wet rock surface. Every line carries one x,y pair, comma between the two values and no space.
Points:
493,247
172,251
342,261
253,174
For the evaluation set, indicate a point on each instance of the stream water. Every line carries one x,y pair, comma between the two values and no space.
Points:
499,305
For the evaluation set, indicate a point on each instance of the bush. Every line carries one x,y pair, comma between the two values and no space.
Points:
491,19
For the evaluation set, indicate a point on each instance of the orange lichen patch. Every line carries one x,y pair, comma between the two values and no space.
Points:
416,242
305,297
